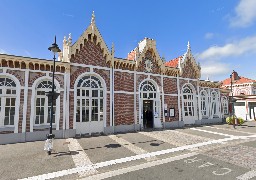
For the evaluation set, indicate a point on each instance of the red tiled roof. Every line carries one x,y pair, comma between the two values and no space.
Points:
240,80
173,63
131,55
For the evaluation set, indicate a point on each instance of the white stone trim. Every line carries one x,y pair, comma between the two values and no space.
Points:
25,105
32,114
123,92
157,99
111,96
162,90
125,71
30,70
170,94
135,98
17,105
206,104
194,102
104,95
178,89
90,66
67,101
64,104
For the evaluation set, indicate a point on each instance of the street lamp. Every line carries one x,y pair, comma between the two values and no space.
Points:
232,101
52,96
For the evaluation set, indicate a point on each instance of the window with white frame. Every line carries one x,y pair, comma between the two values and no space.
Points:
204,103
188,101
224,103
7,101
90,98
147,90
214,104
43,104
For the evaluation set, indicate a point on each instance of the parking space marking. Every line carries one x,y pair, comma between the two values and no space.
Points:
231,130
93,167
174,137
130,146
248,175
212,132
80,158
138,167
191,135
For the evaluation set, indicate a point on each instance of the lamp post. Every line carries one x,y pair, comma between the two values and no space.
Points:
232,102
52,96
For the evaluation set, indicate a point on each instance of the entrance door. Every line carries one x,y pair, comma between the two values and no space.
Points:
148,114
89,106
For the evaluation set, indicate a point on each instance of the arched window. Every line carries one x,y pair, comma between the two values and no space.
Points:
89,99
43,103
214,104
7,101
147,90
188,101
224,103
204,103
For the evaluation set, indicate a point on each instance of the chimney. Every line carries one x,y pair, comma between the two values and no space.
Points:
235,76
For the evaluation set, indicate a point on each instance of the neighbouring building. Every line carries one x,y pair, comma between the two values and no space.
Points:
101,93
244,93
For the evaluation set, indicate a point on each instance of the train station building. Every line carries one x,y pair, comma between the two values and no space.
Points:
101,93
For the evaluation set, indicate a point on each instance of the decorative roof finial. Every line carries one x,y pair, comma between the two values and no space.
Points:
113,49
163,59
93,18
65,40
69,39
179,63
188,45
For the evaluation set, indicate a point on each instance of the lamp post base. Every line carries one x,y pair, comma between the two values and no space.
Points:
49,143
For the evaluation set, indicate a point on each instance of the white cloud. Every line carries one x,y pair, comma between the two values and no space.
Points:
208,35
233,49
2,51
212,69
245,14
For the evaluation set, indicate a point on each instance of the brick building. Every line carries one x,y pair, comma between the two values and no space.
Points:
102,93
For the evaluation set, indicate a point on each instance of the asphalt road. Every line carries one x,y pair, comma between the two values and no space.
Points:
192,153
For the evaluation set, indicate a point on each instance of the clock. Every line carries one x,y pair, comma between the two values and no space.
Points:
148,65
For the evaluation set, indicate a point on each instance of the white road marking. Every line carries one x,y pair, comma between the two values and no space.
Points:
80,159
247,175
92,167
130,146
138,167
231,130
212,132
191,135
167,137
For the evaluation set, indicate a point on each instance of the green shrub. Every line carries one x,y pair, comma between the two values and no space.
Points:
230,120
240,120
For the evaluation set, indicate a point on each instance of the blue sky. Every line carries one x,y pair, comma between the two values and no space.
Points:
221,33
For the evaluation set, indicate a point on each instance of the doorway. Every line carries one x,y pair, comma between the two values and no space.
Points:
148,114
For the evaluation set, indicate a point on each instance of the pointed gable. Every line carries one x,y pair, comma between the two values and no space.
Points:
90,48
188,66
147,57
